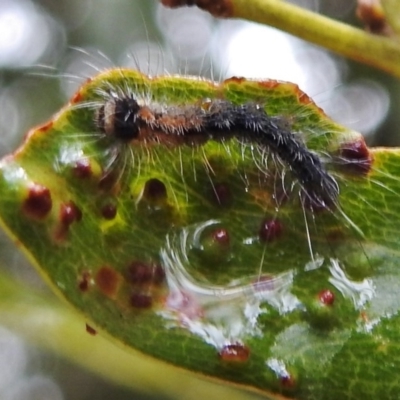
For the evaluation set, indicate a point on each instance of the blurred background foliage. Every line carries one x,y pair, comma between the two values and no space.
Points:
49,47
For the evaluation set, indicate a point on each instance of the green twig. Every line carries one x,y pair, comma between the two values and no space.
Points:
354,43
380,52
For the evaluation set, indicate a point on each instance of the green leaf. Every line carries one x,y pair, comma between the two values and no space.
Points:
48,324
208,255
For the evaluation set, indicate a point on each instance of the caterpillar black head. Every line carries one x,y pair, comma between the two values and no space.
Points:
118,117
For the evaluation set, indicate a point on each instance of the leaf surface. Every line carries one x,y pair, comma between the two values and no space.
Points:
208,256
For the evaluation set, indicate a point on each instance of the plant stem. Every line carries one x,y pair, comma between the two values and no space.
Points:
377,51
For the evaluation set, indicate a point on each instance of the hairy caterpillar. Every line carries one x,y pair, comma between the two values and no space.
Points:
126,119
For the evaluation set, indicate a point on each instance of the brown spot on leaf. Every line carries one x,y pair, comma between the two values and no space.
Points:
288,382
69,213
77,97
108,281
90,330
215,246
154,190
269,83
355,158
270,230
82,169
221,236
235,79
141,300
234,353
45,127
84,281
109,211
139,272
304,98
326,297
38,203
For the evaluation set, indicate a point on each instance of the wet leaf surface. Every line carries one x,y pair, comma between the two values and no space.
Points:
209,255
